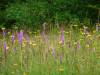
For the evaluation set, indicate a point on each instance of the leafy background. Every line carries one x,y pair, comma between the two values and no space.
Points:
33,13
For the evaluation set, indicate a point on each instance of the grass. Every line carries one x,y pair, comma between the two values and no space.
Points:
47,54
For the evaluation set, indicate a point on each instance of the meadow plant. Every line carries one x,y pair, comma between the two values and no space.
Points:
65,52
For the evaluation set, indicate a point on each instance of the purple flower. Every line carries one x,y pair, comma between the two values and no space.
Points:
62,38
5,49
43,36
14,50
61,58
27,39
78,45
5,46
54,54
20,36
85,30
97,27
12,38
4,33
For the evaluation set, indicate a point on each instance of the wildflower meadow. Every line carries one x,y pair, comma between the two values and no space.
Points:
49,37
62,51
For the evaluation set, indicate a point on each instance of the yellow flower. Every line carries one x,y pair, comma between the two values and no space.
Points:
15,27
60,42
89,35
75,43
34,32
30,42
81,39
99,24
82,33
34,44
87,46
23,44
15,64
94,31
12,72
3,28
81,29
30,32
25,73
60,69
66,32
75,25
7,48
9,33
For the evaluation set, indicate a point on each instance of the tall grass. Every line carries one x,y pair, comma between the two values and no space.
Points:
59,52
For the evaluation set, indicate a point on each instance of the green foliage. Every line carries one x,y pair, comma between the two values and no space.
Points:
33,13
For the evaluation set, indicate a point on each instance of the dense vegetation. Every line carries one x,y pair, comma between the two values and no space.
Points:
33,13
49,37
